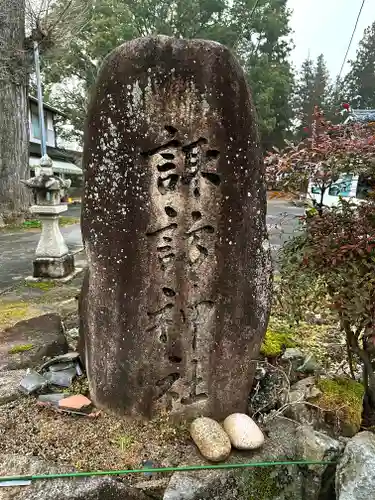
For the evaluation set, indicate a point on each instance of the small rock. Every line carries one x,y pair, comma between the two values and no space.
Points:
310,365
211,439
314,392
63,358
307,388
52,398
76,402
304,384
32,382
291,360
292,353
9,385
58,367
63,378
296,397
243,432
25,344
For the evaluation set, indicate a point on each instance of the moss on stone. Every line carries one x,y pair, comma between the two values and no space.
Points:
343,397
20,348
275,341
260,484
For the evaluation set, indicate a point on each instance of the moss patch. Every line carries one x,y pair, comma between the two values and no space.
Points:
67,221
20,348
13,312
343,398
32,224
260,484
278,337
45,286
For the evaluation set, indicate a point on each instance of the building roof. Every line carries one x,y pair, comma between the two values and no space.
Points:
361,116
64,167
55,153
48,106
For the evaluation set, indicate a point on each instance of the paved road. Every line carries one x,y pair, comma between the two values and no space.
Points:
282,223
17,249
17,252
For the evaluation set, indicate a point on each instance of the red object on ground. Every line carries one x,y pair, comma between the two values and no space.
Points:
346,106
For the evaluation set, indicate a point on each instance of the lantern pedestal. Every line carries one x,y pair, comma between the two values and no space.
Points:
53,259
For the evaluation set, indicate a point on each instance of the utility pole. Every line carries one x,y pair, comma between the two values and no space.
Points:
43,142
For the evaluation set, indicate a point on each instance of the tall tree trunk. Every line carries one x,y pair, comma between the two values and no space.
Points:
14,140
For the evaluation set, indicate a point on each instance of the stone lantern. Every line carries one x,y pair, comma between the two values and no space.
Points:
52,257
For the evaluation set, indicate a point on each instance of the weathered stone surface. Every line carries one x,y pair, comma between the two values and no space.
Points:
313,445
176,300
310,365
32,382
25,344
292,353
289,482
153,488
211,439
99,488
53,267
307,405
9,385
243,432
355,476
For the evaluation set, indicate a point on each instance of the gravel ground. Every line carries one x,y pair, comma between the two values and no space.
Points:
82,443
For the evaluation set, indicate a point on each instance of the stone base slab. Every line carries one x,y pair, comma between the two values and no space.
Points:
65,279
53,267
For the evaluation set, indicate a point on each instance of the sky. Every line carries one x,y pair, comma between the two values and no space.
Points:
325,27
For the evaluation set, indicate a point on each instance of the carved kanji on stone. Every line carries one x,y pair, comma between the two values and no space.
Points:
176,299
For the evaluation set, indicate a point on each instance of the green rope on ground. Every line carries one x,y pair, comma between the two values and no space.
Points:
39,477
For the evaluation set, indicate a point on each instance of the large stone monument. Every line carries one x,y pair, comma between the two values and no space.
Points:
177,295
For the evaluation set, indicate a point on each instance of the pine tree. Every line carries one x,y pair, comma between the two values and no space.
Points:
321,83
313,88
361,77
304,96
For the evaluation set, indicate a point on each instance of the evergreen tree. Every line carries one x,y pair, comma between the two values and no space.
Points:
361,77
303,101
313,88
321,83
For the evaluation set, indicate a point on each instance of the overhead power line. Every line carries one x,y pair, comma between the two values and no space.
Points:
254,8
351,38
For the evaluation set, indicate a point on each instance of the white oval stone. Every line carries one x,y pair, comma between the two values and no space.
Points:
243,432
211,439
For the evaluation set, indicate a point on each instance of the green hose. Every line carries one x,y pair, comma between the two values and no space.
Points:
39,477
